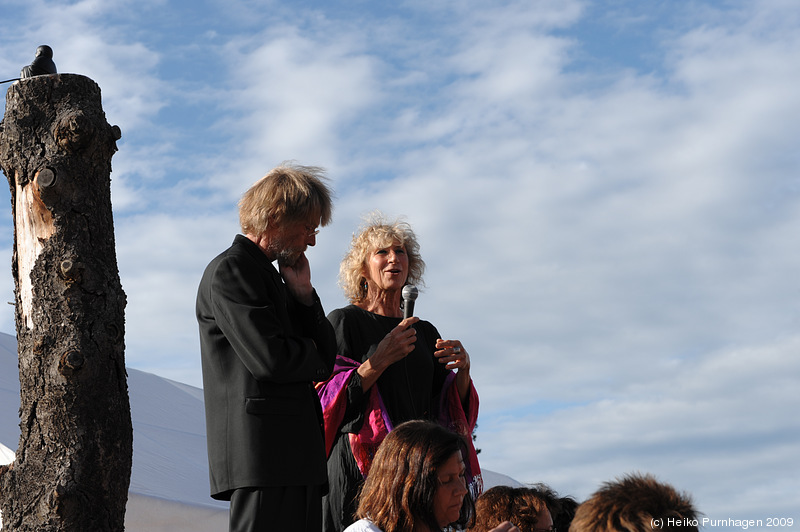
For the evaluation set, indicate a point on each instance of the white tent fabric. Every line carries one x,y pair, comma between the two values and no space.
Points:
169,479
169,488
6,457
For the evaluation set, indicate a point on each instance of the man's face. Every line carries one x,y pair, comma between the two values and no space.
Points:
292,241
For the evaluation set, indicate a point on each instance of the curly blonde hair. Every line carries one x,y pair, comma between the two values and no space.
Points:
377,233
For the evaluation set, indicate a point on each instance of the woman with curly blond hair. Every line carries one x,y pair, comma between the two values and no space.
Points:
388,369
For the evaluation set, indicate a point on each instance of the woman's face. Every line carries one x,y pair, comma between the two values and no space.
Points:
544,522
386,268
450,493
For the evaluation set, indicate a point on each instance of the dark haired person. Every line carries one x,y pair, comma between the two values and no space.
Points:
416,483
522,506
562,508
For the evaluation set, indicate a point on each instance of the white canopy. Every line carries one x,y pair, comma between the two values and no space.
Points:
6,457
169,488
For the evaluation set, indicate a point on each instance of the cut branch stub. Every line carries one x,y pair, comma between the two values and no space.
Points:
73,131
70,362
46,177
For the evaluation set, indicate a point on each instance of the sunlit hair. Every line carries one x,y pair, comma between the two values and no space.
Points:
289,193
521,506
378,233
398,495
635,503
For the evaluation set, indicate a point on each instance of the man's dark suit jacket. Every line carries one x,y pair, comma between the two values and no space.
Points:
261,349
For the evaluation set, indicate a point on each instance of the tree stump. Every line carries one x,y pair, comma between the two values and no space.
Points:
73,463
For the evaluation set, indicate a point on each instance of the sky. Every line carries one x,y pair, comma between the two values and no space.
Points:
606,194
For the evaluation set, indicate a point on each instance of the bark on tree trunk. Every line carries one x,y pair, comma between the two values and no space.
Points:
73,463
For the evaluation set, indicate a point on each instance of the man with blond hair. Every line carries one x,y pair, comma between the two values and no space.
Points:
264,340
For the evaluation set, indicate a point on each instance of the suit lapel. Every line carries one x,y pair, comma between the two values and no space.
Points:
277,288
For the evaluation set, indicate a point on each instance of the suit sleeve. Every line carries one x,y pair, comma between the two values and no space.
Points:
313,324
252,312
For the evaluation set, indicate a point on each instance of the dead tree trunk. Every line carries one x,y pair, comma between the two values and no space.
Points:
73,464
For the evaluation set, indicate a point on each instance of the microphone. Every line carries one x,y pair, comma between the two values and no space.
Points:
410,294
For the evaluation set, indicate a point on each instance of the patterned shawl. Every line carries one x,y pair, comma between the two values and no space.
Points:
448,411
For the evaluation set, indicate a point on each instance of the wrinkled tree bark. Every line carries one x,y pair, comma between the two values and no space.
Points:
73,463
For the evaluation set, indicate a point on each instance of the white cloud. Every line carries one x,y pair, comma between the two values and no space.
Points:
693,423
295,91
161,260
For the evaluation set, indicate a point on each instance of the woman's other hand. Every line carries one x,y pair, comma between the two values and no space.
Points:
453,355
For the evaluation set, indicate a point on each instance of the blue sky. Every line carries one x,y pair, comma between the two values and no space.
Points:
607,196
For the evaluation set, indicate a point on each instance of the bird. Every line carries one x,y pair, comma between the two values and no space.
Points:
41,65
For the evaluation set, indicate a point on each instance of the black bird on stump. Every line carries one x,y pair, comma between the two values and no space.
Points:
41,65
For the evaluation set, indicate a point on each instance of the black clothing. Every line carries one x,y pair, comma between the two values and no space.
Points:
284,509
407,388
261,351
